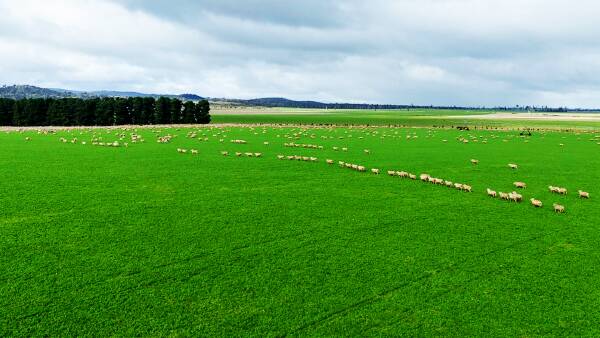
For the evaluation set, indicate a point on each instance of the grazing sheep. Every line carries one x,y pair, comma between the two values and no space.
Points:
367,151
391,172
467,188
249,154
402,174
329,161
562,191
361,168
28,139
412,176
424,177
520,185
341,163
553,190
449,184
474,162
375,171
335,148
280,157
583,194
492,193
514,196
238,154
504,196
536,203
194,152
266,143
558,208
314,159
257,154
305,158
225,153
513,166
348,165
458,186
355,166
344,149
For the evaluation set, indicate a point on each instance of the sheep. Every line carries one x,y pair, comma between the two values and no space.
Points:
355,166
361,168
514,196
504,196
249,154
280,157
474,162
367,151
583,194
448,184
391,172
335,148
225,153
313,159
558,208
348,165
492,193
194,151
341,163
467,188
424,177
402,174
305,158
375,171
553,190
257,154
438,181
562,191
458,186
536,203
28,139
238,154
344,149
329,161
266,143
520,185
412,176
513,166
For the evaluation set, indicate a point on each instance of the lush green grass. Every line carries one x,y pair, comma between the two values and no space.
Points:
145,241
413,117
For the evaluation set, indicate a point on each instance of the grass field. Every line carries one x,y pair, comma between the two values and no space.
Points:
412,117
144,240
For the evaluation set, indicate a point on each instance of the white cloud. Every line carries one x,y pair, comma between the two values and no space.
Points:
463,52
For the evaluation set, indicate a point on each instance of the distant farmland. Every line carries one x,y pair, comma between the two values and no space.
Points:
106,239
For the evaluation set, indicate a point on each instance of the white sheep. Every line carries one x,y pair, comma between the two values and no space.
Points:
558,208
536,203
583,194
375,171
520,185
492,193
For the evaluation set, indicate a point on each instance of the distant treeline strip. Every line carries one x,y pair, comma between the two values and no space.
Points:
102,111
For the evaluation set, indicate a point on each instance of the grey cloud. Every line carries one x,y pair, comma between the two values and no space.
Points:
463,52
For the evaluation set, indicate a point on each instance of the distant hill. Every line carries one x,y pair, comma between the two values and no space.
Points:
25,92
30,92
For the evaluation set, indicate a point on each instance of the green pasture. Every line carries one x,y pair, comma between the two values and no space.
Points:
395,117
143,240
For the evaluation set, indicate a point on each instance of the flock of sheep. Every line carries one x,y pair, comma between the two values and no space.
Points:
514,196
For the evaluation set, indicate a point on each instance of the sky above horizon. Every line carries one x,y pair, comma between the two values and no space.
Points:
439,52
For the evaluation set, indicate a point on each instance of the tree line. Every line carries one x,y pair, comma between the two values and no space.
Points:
106,111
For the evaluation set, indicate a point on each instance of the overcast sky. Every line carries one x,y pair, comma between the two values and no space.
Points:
442,52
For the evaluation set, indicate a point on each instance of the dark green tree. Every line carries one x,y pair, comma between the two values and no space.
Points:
176,111
203,112
189,111
162,111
